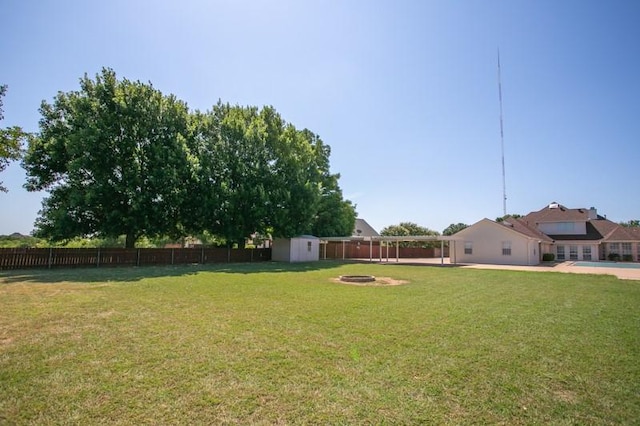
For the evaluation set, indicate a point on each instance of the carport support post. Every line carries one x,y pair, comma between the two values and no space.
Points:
397,251
441,252
343,254
371,250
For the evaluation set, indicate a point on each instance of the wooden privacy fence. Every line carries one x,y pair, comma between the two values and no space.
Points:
355,250
21,258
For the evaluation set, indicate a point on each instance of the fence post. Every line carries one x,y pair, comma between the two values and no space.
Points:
202,255
172,251
228,254
50,256
138,257
98,260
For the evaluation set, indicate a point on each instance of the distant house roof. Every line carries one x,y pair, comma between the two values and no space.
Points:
598,228
363,229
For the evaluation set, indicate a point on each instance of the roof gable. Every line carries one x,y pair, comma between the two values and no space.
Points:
511,225
363,229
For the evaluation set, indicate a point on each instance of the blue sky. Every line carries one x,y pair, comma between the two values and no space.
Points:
404,92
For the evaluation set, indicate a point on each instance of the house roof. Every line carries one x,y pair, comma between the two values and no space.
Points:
598,227
555,212
621,233
363,229
525,228
512,224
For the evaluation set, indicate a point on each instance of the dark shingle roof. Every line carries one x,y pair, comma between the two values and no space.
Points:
598,228
558,214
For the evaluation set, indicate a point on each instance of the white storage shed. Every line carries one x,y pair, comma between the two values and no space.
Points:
305,248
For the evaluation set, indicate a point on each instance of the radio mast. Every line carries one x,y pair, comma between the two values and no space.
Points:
504,181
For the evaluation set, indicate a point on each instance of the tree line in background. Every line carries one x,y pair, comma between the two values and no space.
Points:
126,165
404,229
118,157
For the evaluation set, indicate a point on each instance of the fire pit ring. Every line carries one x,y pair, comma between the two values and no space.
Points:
357,278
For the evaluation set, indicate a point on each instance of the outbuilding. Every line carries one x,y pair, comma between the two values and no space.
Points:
304,248
505,243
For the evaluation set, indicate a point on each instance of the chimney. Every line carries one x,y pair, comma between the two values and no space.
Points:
593,213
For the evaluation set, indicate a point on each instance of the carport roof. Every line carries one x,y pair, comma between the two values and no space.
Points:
403,238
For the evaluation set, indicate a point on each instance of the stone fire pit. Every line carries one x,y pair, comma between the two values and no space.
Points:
357,278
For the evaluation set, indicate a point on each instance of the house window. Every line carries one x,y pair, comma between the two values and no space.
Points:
573,252
309,246
565,227
614,248
506,248
560,252
586,252
468,247
626,249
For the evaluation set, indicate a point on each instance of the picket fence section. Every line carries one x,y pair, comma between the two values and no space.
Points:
23,258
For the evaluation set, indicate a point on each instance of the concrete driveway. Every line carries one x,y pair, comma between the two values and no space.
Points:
566,267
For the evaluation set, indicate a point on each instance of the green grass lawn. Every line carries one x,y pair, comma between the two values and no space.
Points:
283,344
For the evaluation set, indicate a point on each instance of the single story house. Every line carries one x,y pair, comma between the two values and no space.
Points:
569,234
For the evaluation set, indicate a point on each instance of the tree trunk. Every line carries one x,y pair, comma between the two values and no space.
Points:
131,241
241,243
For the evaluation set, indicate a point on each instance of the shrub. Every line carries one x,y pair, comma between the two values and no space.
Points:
548,257
627,258
614,257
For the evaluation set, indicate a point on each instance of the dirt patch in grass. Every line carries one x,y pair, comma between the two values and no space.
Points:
378,282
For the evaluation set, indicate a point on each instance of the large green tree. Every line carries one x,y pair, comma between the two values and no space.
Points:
120,158
336,216
454,227
258,173
114,157
410,229
238,177
11,139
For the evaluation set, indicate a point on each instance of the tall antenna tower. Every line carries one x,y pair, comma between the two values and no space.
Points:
504,181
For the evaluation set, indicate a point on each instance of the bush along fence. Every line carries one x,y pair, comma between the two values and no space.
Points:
23,258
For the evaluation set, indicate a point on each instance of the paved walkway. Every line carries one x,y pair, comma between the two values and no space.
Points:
566,267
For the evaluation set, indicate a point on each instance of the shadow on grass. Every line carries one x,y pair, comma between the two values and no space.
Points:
137,273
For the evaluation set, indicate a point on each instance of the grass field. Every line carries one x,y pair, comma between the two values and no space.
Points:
284,344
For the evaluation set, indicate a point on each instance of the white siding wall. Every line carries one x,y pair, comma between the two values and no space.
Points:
305,249
487,238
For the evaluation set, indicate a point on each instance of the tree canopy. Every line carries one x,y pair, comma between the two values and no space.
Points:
453,228
11,139
114,157
407,229
509,216
631,223
119,157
